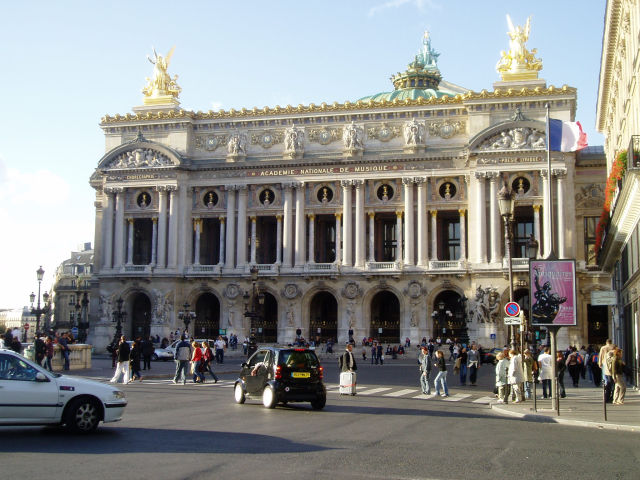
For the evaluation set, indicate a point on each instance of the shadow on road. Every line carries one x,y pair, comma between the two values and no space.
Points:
142,440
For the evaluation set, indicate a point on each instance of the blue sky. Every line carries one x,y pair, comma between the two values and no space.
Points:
66,64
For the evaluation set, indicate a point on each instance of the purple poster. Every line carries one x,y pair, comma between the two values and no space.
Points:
553,292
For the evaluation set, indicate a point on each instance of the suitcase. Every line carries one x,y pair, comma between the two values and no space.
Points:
347,383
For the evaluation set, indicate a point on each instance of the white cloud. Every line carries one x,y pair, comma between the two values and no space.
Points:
422,5
215,106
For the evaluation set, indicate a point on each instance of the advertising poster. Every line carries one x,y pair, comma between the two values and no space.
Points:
553,292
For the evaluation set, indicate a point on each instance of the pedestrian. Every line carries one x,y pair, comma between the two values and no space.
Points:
574,364
502,383
379,354
63,343
451,347
48,353
606,372
561,367
529,367
425,371
594,368
473,363
147,352
8,338
122,365
364,353
374,349
220,347
617,372
196,362
16,346
584,354
431,348
545,368
134,359
207,358
39,349
182,357
515,374
441,377
347,361
463,356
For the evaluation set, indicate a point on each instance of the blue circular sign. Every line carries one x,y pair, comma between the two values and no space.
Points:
512,309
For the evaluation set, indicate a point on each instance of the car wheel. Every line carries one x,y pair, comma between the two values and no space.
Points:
82,415
238,393
269,397
319,403
154,357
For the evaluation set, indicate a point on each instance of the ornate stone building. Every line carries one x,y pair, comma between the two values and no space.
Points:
377,216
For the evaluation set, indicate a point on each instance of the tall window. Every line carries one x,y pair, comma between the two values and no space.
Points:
590,239
451,239
325,239
389,243
522,229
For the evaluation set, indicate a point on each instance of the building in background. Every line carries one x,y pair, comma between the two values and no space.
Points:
21,319
618,118
371,218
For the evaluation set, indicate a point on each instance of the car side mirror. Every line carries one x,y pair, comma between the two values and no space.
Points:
41,377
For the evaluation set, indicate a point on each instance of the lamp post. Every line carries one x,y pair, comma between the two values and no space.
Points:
532,254
84,324
253,302
441,317
118,316
506,203
38,311
186,316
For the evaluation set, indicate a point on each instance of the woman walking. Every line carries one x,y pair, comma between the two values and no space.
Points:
617,372
474,363
207,358
441,378
463,366
502,368
561,367
196,360
48,353
516,375
546,367
134,360
123,353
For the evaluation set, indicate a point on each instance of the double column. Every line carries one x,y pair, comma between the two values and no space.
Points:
561,175
347,233
107,227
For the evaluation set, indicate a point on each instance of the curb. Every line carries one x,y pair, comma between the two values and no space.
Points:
564,421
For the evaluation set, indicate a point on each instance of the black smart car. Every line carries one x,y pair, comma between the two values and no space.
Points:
282,375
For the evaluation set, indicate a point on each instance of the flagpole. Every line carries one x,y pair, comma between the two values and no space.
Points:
552,250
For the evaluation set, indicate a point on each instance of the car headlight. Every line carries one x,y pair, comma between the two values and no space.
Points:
118,395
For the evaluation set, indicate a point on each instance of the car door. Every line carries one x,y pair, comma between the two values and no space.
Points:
24,399
256,372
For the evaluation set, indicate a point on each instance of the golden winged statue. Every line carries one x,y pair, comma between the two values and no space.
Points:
518,63
161,83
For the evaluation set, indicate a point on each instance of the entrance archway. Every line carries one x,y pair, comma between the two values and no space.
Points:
385,317
207,323
323,317
449,317
265,326
140,316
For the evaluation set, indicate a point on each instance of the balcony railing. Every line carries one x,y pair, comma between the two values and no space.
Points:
447,264
633,153
321,267
382,265
136,268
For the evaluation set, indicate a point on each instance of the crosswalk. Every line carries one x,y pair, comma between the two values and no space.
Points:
334,389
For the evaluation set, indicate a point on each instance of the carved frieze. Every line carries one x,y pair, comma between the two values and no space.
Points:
446,129
590,196
520,138
384,132
141,158
351,290
211,142
267,138
325,136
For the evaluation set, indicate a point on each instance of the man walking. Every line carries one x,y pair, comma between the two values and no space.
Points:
220,346
122,357
147,352
183,356
348,367
606,371
425,370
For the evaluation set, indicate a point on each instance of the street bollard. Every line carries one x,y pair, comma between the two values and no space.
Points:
556,400
535,396
604,399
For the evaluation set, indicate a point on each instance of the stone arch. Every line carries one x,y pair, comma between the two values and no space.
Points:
449,316
140,308
385,307
307,313
487,133
208,307
174,159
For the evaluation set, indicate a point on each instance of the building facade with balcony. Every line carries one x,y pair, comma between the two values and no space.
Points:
618,118
376,218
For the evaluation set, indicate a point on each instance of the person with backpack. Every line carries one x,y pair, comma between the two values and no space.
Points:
183,356
574,365
594,368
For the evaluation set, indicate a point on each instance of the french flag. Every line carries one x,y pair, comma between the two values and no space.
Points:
566,136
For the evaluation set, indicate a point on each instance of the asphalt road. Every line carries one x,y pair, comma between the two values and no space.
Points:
197,431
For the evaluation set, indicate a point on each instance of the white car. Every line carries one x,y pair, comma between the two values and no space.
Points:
31,395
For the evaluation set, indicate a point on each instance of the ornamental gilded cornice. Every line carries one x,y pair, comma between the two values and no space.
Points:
339,107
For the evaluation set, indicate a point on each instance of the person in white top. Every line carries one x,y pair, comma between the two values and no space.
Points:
220,347
544,361
516,374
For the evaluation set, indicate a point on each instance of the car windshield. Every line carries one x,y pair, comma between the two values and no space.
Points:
297,359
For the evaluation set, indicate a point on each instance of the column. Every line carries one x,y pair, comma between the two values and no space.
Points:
222,239
287,237
184,244
546,215
480,242
561,174
119,228
463,235
253,240
372,237
408,221
173,227
346,224
360,225
107,228
338,238
398,236
242,226
300,226
130,241
162,227
154,241
434,235
494,217
278,239
312,238
422,222
197,228
231,227
536,224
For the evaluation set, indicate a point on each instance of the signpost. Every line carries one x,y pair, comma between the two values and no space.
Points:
512,321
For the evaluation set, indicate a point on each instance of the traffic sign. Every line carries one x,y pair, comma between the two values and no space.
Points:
512,320
492,336
26,326
512,309
74,331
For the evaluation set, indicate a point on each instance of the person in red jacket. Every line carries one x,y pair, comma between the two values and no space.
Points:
196,361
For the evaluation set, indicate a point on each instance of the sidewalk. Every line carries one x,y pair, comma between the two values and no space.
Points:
582,407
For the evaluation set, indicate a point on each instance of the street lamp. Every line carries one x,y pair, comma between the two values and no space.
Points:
38,311
118,316
442,317
506,203
253,302
186,316
84,324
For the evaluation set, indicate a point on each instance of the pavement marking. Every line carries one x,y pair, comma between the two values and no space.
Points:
457,397
422,395
484,400
375,390
400,393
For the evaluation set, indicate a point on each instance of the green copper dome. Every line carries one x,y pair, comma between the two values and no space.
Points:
421,79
